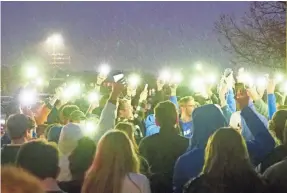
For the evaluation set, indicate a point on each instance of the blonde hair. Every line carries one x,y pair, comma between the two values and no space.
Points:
183,101
128,129
120,105
17,180
115,158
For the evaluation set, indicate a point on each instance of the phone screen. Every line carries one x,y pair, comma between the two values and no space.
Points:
118,77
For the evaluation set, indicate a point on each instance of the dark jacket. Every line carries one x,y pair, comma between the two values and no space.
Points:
161,150
276,177
249,184
277,155
9,154
73,186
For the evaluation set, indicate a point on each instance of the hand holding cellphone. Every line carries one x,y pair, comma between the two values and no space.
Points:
242,98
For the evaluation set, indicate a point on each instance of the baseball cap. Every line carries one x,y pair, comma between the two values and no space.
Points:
77,116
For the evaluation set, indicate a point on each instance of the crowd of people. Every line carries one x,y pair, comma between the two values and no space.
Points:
233,140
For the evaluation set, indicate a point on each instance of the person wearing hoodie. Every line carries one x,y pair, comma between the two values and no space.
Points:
162,149
80,160
65,112
190,164
69,137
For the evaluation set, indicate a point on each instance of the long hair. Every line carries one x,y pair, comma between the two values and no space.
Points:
277,124
115,158
226,155
128,129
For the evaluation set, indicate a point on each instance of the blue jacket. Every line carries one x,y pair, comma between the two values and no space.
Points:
271,105
150,125
245,132
231,105
190,164
231,101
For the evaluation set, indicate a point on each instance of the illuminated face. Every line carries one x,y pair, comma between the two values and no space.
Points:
126,111
189,107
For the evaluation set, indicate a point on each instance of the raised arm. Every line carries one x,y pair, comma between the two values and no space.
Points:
263,143
108,116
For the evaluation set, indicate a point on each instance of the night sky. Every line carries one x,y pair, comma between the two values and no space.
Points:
147,35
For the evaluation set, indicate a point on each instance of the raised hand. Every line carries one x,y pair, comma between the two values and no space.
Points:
144,94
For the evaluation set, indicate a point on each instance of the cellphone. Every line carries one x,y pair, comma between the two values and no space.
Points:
227,72
118,77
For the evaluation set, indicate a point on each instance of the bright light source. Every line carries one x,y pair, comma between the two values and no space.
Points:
165,75
2,122
39,81
90,128
261,82
198,67
93,97
28,97
285,88
249,80
55,40
134,80
71,90
246,78
176,78
75,87
198,85
279,78
104,69
241,70
211,79
31,72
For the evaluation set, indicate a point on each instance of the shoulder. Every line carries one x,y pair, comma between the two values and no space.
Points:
276,169
149,138
196,185
183,139
137,177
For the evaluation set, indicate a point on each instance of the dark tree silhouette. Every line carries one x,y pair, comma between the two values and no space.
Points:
259,39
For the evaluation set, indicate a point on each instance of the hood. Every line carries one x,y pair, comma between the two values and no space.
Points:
150,125
69,137
150,120
206,120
